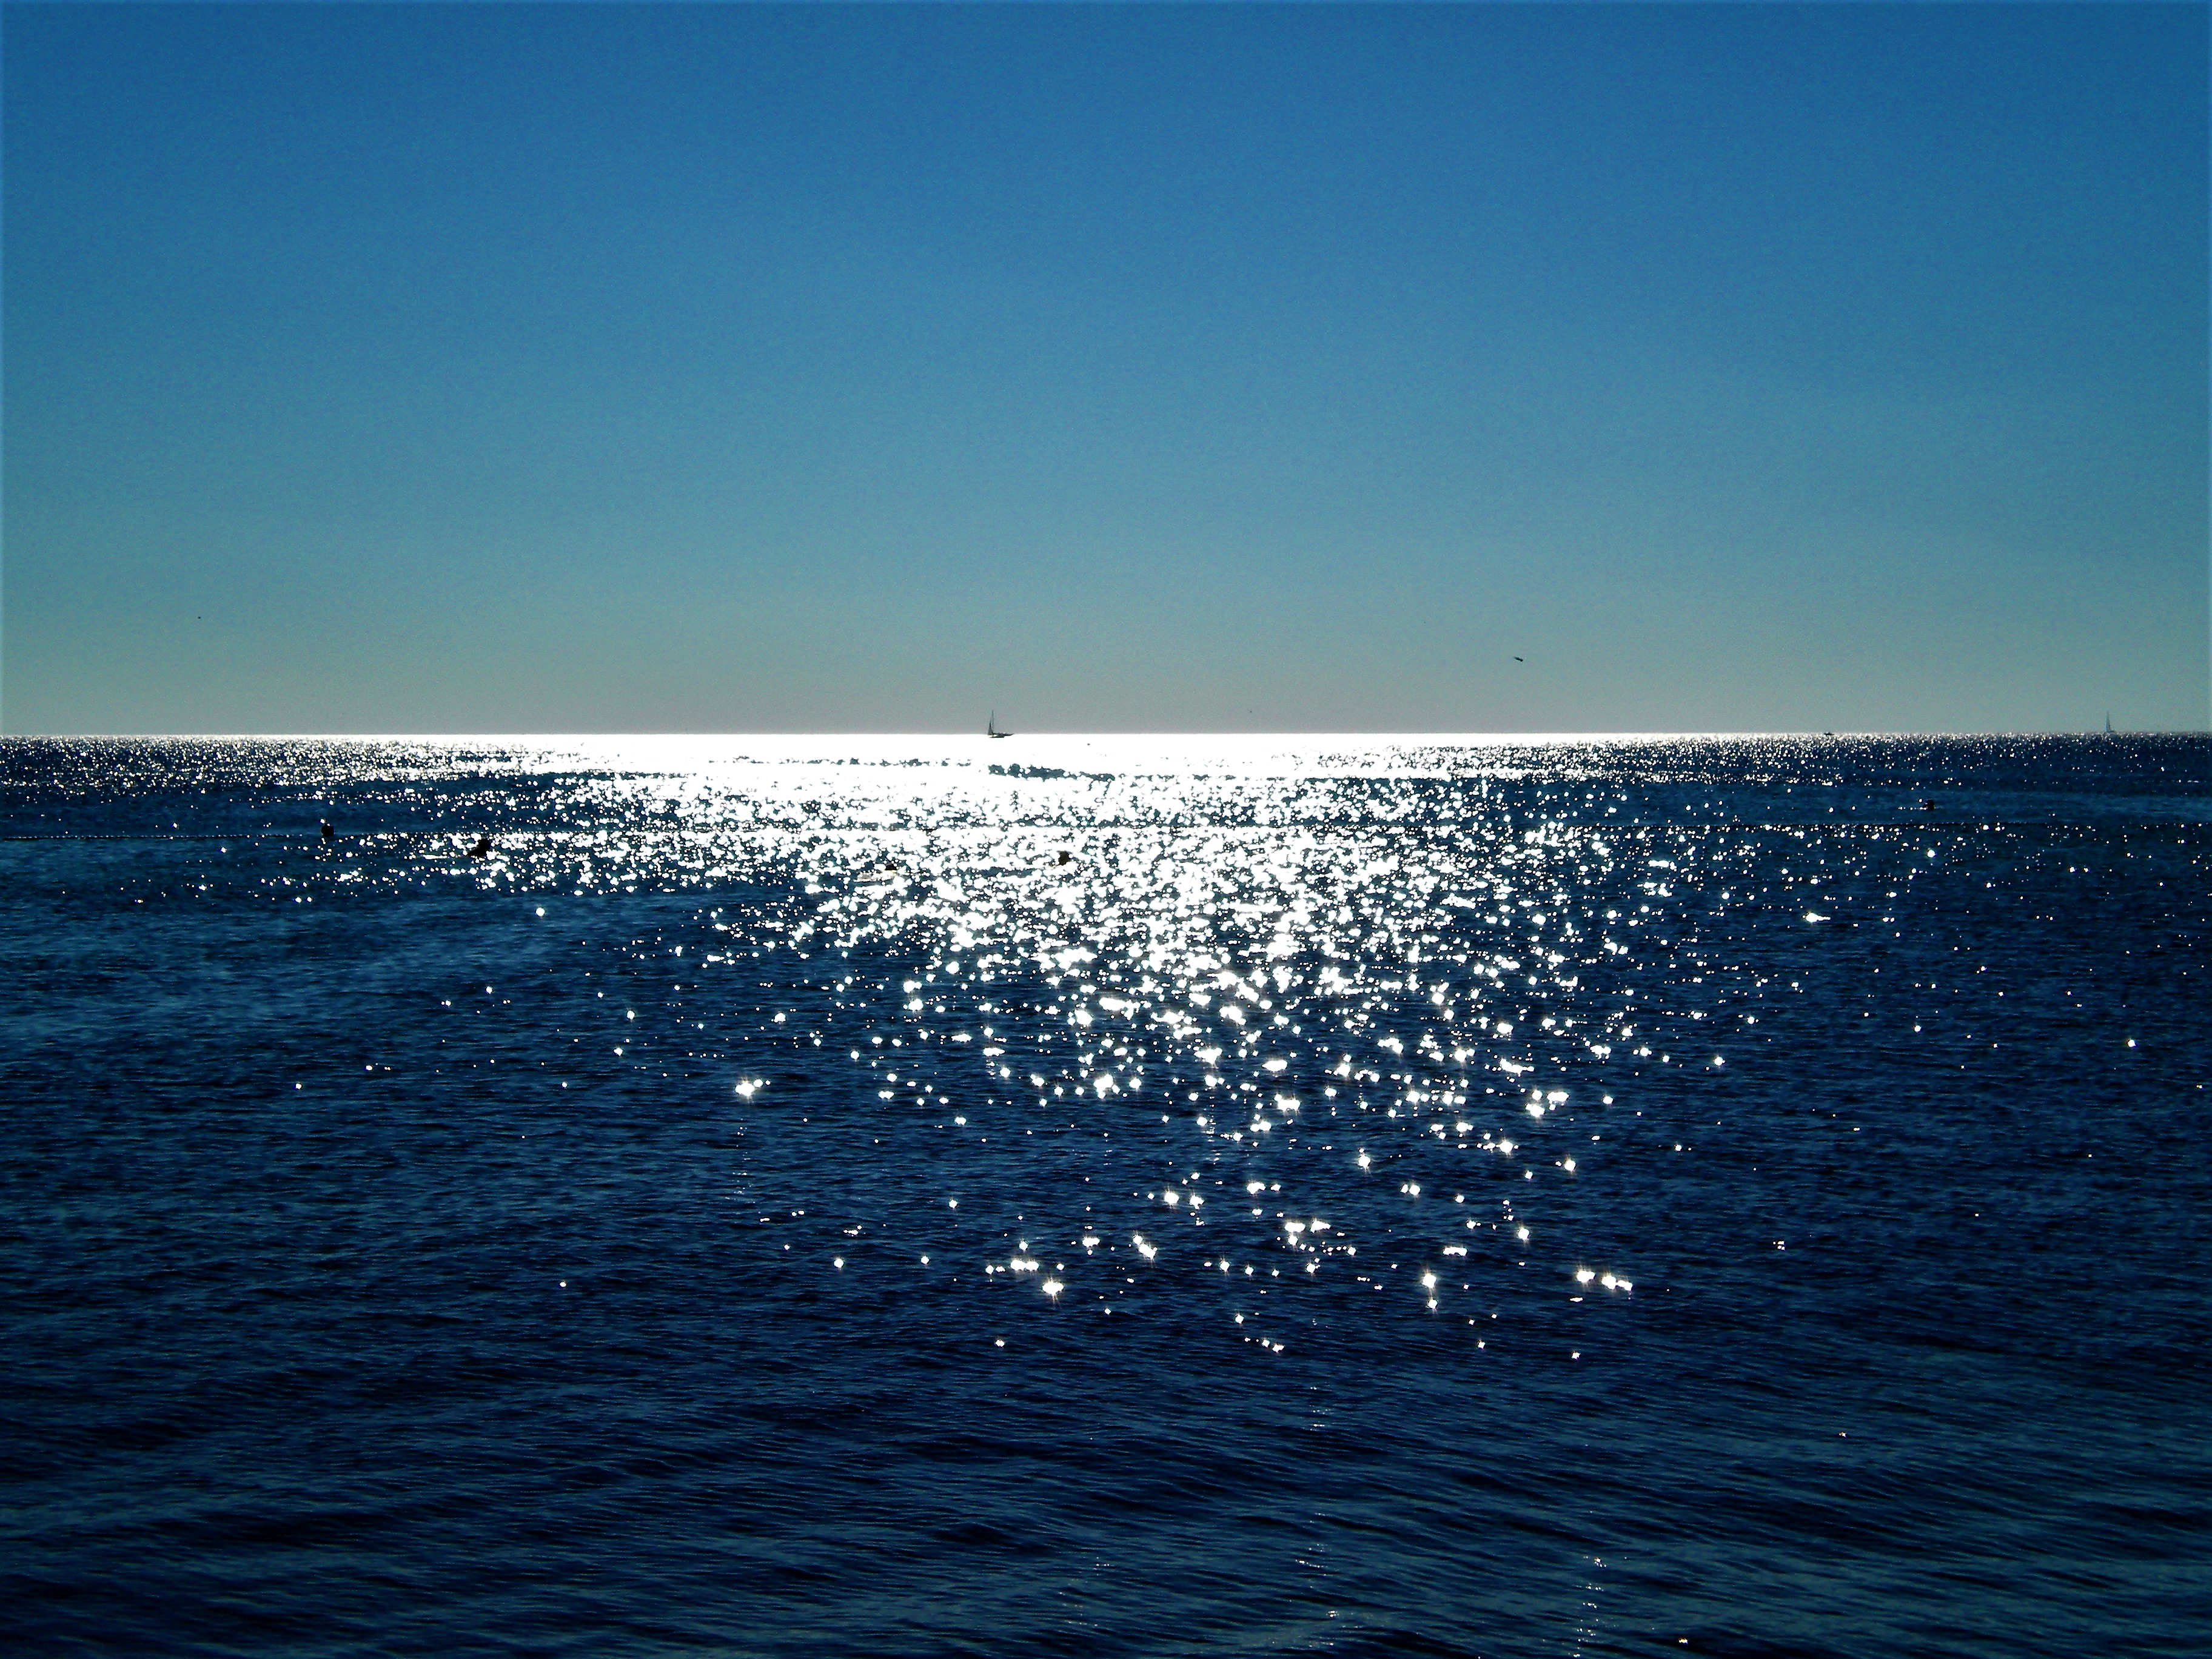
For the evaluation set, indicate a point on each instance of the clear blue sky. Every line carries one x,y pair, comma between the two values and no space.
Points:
514,368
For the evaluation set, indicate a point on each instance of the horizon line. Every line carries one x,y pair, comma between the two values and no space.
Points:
1408,734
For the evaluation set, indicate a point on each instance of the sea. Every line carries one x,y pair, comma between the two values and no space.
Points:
1422,1196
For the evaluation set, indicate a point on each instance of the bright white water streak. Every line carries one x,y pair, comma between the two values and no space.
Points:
1242,1025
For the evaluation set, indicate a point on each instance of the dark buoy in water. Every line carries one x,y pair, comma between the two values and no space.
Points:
329,834
1065,857
481,849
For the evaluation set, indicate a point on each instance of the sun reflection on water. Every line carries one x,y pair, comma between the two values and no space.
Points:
1187,995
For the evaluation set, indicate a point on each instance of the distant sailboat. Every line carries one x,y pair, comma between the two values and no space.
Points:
991,727
2108,722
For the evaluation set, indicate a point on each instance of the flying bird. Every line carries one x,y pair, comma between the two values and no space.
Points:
1520,660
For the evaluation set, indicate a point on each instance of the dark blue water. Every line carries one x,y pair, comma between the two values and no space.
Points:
868,1196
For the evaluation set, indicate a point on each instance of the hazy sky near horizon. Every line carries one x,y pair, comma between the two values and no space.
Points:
767,368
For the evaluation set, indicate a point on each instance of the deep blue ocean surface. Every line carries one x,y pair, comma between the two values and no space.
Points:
1106,1196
